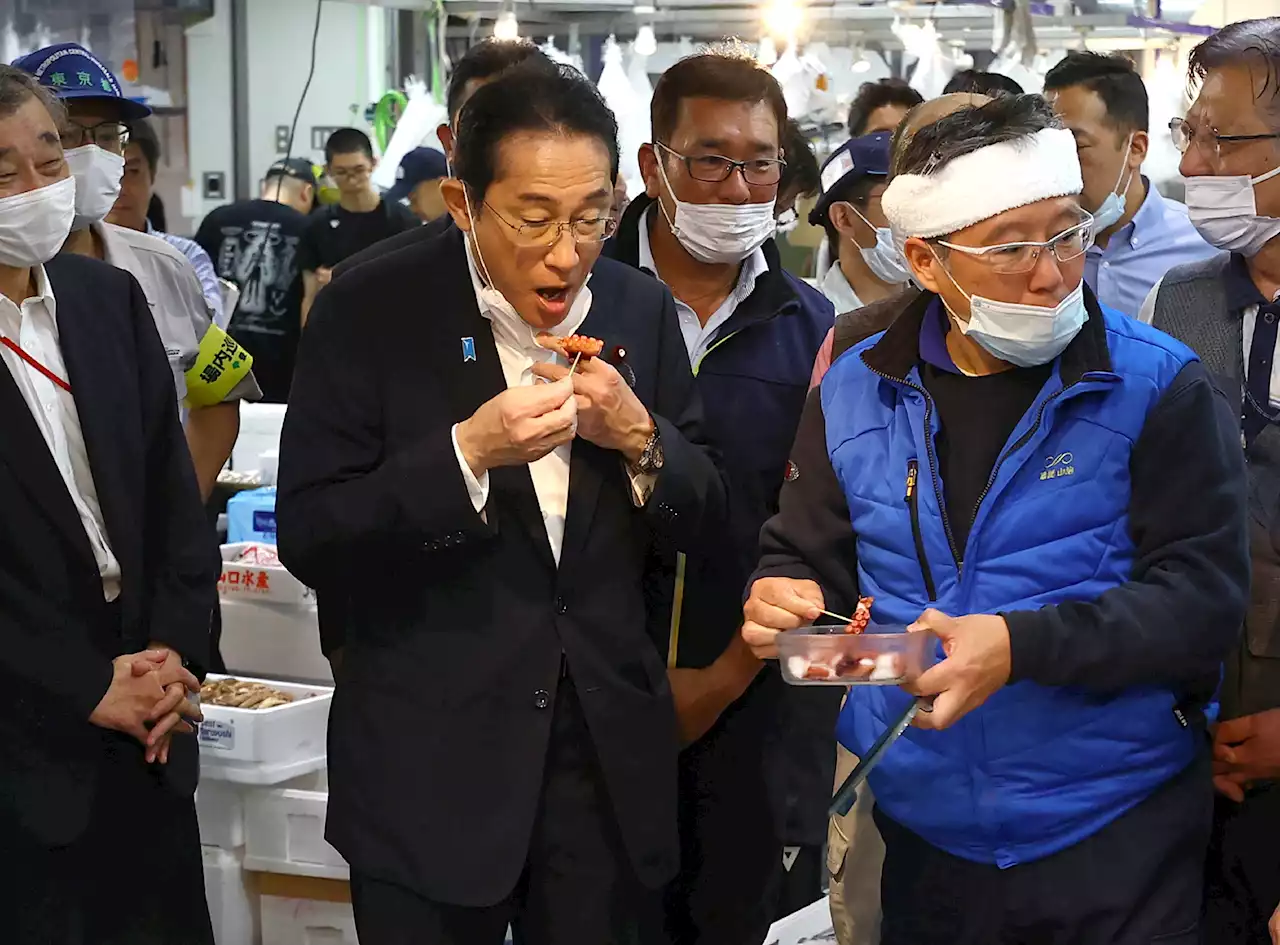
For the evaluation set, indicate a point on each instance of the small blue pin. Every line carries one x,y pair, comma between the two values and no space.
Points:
468,350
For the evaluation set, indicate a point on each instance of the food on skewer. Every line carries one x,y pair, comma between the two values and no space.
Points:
861,616
572,345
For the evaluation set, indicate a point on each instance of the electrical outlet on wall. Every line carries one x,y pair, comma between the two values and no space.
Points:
282,139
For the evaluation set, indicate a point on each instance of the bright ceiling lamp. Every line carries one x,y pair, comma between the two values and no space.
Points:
505,27
646,43
766,52
783,19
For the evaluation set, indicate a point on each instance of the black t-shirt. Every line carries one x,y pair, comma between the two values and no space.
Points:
255,244
977,415
333,234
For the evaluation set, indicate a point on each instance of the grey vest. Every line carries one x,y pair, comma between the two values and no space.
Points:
1191,305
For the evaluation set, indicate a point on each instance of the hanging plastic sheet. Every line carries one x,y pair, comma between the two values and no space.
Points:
416,128
631,112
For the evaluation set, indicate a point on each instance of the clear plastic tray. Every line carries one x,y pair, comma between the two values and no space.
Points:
881,656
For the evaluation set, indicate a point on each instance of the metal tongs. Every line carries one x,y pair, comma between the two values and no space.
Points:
844,798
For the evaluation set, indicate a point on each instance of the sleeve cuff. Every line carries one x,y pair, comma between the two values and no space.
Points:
641,485
1026,644
477,489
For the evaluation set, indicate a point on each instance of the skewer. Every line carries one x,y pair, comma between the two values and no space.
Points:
573,367
835,616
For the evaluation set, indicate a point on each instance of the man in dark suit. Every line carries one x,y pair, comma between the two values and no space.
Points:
107,581
482,63
503,741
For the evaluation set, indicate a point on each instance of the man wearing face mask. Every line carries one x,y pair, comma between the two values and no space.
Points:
1007,467
758,769
488,509
107,581
1227,309
211,373
1138,234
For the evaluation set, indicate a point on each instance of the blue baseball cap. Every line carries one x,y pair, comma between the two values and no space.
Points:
73,73
420,164
867,156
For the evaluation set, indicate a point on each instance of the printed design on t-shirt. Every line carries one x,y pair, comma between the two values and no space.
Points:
263,261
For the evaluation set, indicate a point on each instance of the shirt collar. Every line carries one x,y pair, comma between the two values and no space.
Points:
1240,290
1149,217
933,338
838,291
753,267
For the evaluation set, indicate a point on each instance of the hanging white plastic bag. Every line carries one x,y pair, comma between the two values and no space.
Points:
631,114
416,128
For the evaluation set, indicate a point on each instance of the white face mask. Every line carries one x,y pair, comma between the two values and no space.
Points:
35,224
1024,335
1225,212
98,174
1112,206
718,232
884,260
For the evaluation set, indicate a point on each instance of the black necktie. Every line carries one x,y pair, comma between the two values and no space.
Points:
1257,402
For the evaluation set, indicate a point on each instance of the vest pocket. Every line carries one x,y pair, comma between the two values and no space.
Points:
913,506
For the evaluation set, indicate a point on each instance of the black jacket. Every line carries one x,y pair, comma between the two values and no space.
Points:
455,624
60,635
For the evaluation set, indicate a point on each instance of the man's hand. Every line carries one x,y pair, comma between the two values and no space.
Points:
174,713
978,662
1246,749
1274,927
323,275
610,414
777,604
702,695
518,426
138,684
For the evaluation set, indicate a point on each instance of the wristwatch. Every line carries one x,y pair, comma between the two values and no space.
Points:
651,457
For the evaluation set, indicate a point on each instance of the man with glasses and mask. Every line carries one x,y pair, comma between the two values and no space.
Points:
1227,309
490,511
1007,466
1138,234
359,220
757,770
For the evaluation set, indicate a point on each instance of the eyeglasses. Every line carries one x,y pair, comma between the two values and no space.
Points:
350,173
108,135
1014,258
714,168
1209,142
594,229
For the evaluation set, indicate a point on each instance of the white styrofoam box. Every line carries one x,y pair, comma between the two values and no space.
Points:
233,906
266,746
265,640
271,584
285,830
220,807
307,922
259,432
810,924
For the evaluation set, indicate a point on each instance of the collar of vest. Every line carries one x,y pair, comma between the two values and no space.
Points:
898,349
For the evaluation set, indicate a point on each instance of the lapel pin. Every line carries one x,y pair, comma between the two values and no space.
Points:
468,350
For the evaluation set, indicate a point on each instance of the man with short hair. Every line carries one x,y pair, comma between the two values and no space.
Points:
1138,234
360,218
418,183
757,770
881,106
981,83
479,65
1006,466
254,244
107,574
1226,308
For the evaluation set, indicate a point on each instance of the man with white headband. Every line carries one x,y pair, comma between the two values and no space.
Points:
1053,490
1227,309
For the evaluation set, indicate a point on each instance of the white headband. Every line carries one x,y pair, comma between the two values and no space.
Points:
983,183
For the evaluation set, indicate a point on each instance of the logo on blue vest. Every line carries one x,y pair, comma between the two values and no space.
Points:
468,350
1055,467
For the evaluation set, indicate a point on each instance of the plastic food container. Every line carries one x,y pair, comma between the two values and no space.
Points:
827,656
266,746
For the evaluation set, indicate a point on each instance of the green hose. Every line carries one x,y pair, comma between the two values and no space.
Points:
385,115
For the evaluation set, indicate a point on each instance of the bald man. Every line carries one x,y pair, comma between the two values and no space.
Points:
855,852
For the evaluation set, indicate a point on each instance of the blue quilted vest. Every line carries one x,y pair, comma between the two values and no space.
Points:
1035,769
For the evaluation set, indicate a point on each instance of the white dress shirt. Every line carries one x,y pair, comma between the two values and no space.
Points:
838,291
34,328
697,336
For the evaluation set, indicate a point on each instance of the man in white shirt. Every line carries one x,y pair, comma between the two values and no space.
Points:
107,581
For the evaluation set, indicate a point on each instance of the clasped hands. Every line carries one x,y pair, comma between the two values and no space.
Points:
978,656
148,700
523,424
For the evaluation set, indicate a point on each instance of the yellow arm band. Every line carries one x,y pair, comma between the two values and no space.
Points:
220,365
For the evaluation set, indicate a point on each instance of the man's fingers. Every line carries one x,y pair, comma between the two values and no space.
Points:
771,615
935,680
947,709
1229,789
550,370
190,710
1235,730
931,619
162,728
173,695
762,640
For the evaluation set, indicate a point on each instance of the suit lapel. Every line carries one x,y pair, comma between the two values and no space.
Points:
589,464
478,371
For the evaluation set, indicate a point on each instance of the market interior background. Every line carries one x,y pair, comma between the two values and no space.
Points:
239,84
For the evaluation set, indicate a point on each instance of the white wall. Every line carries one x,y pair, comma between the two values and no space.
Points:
209,116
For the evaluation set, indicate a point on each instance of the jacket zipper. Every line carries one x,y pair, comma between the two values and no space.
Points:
913,504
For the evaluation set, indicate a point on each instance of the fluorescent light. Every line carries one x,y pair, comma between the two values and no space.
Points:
505,27
783,19
646,43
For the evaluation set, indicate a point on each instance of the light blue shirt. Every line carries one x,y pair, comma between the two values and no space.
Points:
200,262
1159,237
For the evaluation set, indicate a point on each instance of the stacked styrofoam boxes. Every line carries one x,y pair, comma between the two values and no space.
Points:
243,751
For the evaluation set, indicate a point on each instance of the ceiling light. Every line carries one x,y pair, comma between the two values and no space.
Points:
783,19
766,52
505,27
646,43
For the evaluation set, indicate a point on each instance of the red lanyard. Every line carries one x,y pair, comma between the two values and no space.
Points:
17,349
